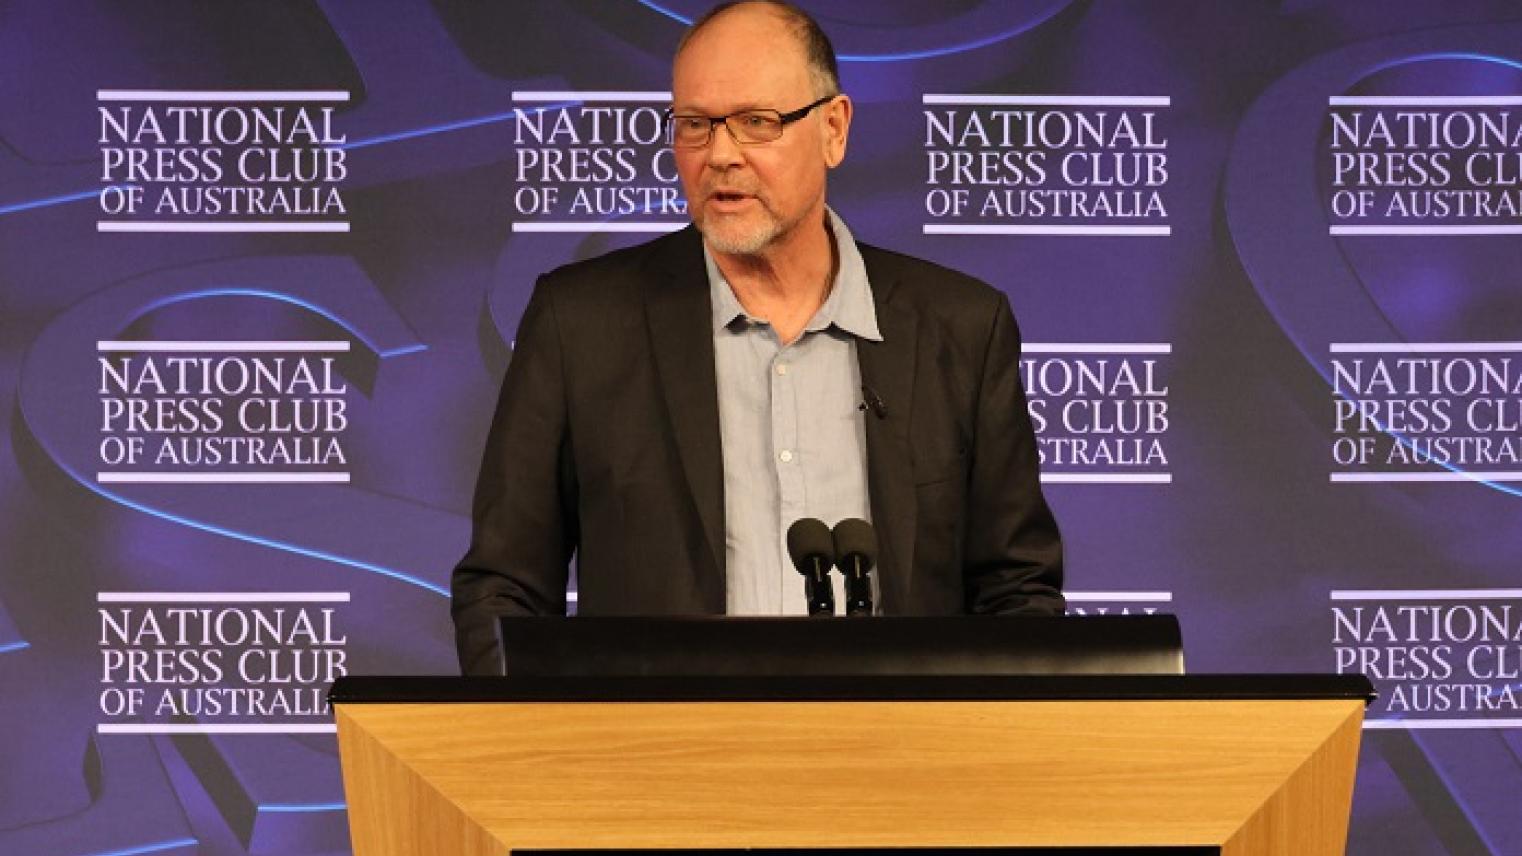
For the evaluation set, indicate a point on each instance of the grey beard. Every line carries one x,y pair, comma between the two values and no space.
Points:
746,245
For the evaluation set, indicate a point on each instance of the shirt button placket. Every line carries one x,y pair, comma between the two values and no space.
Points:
784,441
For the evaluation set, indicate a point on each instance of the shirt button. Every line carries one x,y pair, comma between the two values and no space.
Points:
786,455
782,368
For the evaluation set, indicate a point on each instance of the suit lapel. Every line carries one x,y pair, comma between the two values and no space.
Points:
887,369
681,335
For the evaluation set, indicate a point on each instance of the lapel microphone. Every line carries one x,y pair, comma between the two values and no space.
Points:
871,400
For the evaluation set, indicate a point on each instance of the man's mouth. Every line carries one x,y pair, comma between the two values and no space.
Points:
728,196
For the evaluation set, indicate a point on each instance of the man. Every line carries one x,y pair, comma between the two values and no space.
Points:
671,408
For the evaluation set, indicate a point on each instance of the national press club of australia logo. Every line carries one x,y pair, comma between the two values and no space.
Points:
221,161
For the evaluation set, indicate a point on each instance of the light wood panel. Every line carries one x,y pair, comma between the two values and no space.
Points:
1308,814
1257,776
393,810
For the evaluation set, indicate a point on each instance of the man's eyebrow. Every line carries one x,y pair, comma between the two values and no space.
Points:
689,110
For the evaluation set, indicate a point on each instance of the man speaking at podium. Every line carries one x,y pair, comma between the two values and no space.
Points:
670,409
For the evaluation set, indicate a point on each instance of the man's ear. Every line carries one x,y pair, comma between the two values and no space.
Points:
837,129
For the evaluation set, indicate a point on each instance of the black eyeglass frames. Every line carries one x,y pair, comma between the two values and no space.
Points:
747,127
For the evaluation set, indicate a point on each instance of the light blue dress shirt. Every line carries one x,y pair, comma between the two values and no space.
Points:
791,424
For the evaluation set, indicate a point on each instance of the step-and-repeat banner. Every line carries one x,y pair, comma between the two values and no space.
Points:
262,264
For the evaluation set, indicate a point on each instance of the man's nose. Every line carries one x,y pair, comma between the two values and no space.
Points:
723,151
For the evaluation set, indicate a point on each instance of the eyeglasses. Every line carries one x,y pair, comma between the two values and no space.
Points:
746,127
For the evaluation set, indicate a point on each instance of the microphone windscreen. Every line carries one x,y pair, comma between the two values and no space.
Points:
808,540
855,538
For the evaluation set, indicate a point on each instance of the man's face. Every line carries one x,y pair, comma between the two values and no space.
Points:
745,198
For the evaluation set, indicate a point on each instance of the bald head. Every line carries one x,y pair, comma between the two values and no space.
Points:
750,197
809,38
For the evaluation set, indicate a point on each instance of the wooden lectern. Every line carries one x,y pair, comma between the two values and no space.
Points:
1034,763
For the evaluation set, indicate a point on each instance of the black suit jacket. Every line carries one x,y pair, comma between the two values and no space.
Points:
605,443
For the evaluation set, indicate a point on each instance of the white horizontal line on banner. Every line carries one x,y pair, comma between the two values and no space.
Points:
221,95
1106,478
1050,229
165,346
1440,724
597,227
1371,231
222,478
1426,594
1050,100
150,227
1445,476
1114,596
590,95
138,728
1432,100
1426,347
1096,348
222,597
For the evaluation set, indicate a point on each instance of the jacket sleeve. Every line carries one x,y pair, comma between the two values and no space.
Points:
1012,559
524,523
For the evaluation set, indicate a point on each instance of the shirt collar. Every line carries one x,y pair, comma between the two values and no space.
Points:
849,306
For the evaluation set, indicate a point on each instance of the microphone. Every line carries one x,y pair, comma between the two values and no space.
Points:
870,399
855,554
812,550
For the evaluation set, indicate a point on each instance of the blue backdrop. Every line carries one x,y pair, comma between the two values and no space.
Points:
261,264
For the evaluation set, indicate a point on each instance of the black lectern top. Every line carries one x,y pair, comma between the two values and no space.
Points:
865,659
434,689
